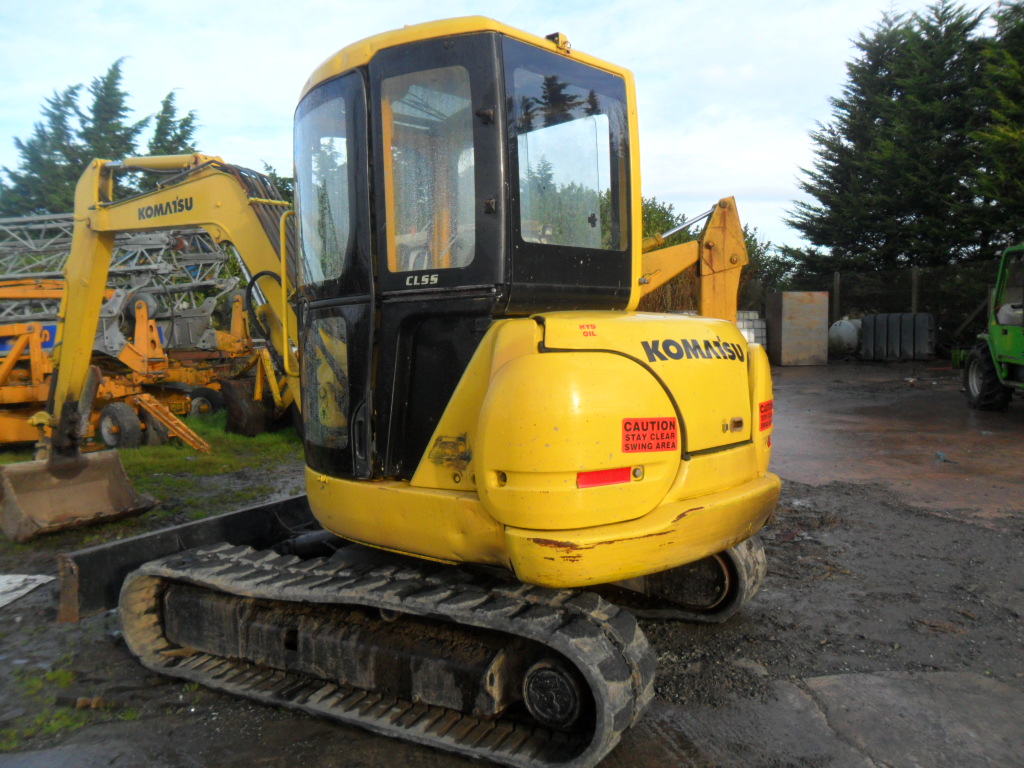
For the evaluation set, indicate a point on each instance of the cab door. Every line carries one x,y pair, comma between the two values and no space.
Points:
1007,333
439,203
335,286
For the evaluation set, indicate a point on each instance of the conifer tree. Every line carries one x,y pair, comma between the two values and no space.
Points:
1001,170
895,174
172,135
105,129
53,157
51,161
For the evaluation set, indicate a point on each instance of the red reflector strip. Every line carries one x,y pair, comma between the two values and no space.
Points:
767,414
603,477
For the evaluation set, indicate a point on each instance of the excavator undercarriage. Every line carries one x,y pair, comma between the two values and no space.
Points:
469,660
474,663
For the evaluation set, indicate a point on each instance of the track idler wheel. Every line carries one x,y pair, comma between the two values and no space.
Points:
553,695
709,591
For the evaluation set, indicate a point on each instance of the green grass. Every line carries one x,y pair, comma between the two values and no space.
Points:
174,473
186,482
61,677
228,452
30,684
49,723
14,457
52,720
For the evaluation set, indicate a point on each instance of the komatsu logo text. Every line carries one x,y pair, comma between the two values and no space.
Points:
704,349
177,205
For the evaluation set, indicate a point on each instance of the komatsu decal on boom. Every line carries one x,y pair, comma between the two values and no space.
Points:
65,487
489,424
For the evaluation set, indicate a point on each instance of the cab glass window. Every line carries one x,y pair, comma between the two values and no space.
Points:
1010,302
430,169
324,179
325,383
568,126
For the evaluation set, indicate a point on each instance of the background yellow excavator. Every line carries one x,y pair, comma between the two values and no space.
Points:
489,425
168,352
66,487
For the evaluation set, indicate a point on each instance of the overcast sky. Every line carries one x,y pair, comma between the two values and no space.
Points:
727,91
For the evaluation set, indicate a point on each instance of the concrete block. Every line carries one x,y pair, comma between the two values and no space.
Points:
798,328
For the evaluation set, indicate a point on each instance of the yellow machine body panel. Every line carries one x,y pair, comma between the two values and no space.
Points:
580,448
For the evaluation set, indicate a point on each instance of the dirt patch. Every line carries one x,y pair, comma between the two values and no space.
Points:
858,582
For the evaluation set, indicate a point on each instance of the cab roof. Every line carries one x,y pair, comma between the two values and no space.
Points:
360,53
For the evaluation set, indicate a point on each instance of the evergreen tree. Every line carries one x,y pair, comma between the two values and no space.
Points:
285,184
68,137
105,130
172,135
1001,141
933,157
50,164
894,177
854,197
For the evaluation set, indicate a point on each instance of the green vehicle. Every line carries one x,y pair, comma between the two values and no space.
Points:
995,366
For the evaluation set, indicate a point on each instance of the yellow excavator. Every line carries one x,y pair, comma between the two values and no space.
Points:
507,460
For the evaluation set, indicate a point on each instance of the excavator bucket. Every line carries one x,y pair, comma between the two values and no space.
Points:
46,496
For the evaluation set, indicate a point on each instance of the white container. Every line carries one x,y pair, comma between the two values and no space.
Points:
844,337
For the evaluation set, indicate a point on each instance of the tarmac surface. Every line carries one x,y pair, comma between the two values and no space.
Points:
889,632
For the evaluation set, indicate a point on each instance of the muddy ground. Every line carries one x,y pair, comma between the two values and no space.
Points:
889,631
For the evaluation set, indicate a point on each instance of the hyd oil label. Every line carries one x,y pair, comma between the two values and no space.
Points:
641,435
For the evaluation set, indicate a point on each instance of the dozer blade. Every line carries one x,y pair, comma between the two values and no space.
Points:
46,496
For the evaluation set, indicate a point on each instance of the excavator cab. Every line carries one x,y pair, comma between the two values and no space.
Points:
497,177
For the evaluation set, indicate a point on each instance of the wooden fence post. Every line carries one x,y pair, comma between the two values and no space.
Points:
835,298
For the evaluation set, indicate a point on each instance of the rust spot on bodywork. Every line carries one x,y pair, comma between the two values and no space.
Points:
554,544
681,515
572,546
451,452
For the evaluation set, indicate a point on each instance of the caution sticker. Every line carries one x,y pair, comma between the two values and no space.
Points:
642,435
767,409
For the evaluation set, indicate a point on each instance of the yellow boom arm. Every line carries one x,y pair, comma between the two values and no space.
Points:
721,251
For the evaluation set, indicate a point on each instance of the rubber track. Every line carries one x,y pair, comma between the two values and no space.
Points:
750,566
602,640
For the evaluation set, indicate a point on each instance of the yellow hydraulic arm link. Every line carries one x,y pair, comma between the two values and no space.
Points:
721,251
205,192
